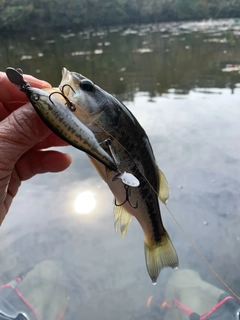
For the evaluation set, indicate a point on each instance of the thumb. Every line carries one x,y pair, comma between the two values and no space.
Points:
19,132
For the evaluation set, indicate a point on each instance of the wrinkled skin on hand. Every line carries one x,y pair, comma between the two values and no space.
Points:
24,139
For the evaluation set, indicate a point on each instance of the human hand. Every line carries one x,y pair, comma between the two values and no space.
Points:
23,138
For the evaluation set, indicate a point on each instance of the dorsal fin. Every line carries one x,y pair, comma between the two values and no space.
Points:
164,191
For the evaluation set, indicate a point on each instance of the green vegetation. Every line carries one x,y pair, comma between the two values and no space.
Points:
26,15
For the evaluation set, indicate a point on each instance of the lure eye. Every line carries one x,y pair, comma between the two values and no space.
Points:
86,85
35,97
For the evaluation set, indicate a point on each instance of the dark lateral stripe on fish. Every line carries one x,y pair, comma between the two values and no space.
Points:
155,220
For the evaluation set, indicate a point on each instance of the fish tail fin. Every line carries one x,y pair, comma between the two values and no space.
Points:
159,255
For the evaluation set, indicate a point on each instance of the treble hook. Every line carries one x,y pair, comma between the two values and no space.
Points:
69,104
128,192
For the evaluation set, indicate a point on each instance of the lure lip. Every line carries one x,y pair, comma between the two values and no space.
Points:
15,76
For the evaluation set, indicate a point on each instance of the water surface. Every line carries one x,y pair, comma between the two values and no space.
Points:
182,83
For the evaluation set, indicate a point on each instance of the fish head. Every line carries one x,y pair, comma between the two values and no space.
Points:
86,94
81,91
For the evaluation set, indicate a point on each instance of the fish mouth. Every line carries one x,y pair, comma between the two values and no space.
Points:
64,87
66,79
66,74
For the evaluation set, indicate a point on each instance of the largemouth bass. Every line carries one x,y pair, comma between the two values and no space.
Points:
57,115
120,134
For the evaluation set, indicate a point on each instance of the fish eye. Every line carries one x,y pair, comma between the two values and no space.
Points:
35,97
86,85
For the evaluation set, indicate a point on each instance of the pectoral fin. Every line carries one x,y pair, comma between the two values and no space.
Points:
164,191
122,219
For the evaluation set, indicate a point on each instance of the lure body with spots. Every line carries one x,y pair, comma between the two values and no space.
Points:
61,120
111,121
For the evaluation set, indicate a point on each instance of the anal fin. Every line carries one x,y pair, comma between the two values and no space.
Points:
122,219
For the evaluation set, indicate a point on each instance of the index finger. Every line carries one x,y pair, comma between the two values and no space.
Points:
10,94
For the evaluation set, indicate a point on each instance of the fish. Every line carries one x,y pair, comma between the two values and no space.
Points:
61,120
140,183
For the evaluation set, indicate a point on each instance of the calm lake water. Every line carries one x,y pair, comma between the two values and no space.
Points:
182,82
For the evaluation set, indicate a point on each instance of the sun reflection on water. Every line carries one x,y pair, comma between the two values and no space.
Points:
85,202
